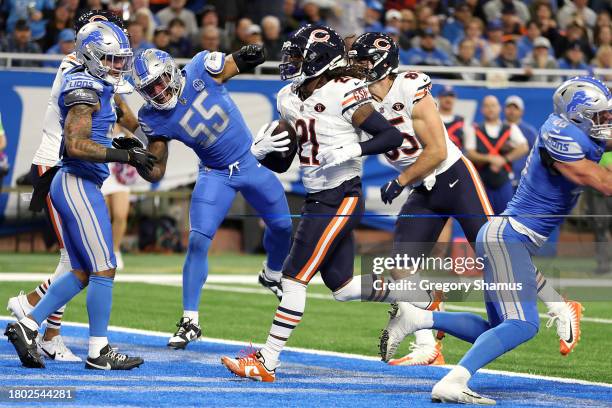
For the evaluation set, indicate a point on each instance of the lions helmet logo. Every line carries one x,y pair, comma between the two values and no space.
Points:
580,99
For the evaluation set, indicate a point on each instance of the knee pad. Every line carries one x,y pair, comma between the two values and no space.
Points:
280,225
198,242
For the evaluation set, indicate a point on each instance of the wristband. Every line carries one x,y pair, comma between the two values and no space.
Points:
117,155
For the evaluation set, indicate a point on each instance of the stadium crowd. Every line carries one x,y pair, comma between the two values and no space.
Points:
498,33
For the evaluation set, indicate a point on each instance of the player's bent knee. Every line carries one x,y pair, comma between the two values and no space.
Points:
291,285
109,273
280,225
82,276
198,242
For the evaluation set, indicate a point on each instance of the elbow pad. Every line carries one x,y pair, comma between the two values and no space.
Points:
385,137
248,57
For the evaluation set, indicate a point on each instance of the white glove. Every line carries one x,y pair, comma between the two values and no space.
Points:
265,142
430,181
333,156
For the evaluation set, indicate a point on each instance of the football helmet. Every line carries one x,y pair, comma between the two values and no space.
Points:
586,102
377,53
157,78
311,51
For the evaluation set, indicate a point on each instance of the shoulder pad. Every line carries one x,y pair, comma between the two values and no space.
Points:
78,96
82,80
214,62
562,146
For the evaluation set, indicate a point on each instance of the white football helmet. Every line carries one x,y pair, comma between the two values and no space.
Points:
157,78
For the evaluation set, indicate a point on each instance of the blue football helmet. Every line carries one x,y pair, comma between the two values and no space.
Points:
105,51
586,102
311,51
157,78
377,53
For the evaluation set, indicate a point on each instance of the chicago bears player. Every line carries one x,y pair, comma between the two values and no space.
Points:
565,158
44,166
87,115
329,107
194,106
443,182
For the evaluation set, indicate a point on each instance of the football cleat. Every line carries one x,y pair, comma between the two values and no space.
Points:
112,360
452,392
24,341
119,260
251,366
420,355
55,349
567,318
403,319
186,333
19,306
274,286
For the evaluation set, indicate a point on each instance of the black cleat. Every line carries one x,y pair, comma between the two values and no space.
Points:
24,341
274,286
186,333
109,359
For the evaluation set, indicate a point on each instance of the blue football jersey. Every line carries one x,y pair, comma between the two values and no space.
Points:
543,192
101,124
205,118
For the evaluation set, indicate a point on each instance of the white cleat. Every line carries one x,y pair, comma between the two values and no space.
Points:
55,349
403,320
421,355
457,393
19,306
567,318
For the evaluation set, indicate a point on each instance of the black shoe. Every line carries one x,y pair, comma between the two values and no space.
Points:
186,333
111,360
274,286
24,341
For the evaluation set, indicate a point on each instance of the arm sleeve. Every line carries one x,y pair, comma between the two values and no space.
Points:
562,148
385,136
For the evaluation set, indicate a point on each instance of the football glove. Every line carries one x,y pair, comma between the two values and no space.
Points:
127,143
249,56
265,142
390,191
333,156
141,159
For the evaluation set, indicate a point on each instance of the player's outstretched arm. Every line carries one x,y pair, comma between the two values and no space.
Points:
159,148
587,173
127,119
243,60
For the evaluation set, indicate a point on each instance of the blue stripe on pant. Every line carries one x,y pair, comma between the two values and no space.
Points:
87,227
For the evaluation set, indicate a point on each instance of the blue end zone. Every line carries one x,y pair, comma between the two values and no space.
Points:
195,377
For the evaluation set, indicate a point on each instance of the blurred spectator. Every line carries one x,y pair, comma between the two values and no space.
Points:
210,39
4,165
603,19
603,59
290,23
347,17
493,9
21,42
60,20
139,5
272,39
493,44
137,37
64,46
157,5
241,35
426,53
312,12
514,107
466,57
576,33
401,4
511,23
393,18
525,42
454,124
574,58
373,14
508,56
422,12
145,18
540,58
441,43
209,16
473,31
493,146
175,10
576,9
548,25
161,39
179,46
254,35
408,28
454,26
34,12
602,36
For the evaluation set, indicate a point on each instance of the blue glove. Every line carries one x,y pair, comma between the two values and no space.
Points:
390,191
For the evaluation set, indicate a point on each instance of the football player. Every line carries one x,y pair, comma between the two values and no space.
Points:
329,106
565,158
44,166
442,182
194,106
87,115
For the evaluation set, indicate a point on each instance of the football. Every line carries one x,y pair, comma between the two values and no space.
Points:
279,162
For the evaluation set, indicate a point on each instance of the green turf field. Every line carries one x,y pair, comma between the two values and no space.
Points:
328,325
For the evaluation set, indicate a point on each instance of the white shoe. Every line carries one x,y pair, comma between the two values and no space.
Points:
404,319
567,318
421,355
119,259
449,391
55,349
19,306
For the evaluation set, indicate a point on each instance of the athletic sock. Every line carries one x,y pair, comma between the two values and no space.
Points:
58,294
547,293
288,315
99,303
193,316
54,321
271,274
464,326
497,341
424,338
95,345
195,270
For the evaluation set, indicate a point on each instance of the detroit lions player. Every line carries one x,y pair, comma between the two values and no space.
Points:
87,116
194,106
564,158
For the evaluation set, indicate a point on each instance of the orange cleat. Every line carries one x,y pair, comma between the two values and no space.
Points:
421,355
251,366
567,318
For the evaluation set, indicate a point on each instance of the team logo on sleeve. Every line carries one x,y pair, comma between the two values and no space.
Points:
398,106
319,107
198,85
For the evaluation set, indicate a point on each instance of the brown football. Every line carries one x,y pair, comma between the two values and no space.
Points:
279,162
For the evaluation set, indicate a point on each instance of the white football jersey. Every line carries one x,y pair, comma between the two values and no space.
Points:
324,119
407,89
48,151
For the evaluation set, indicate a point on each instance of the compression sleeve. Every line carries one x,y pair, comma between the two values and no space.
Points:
385,137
